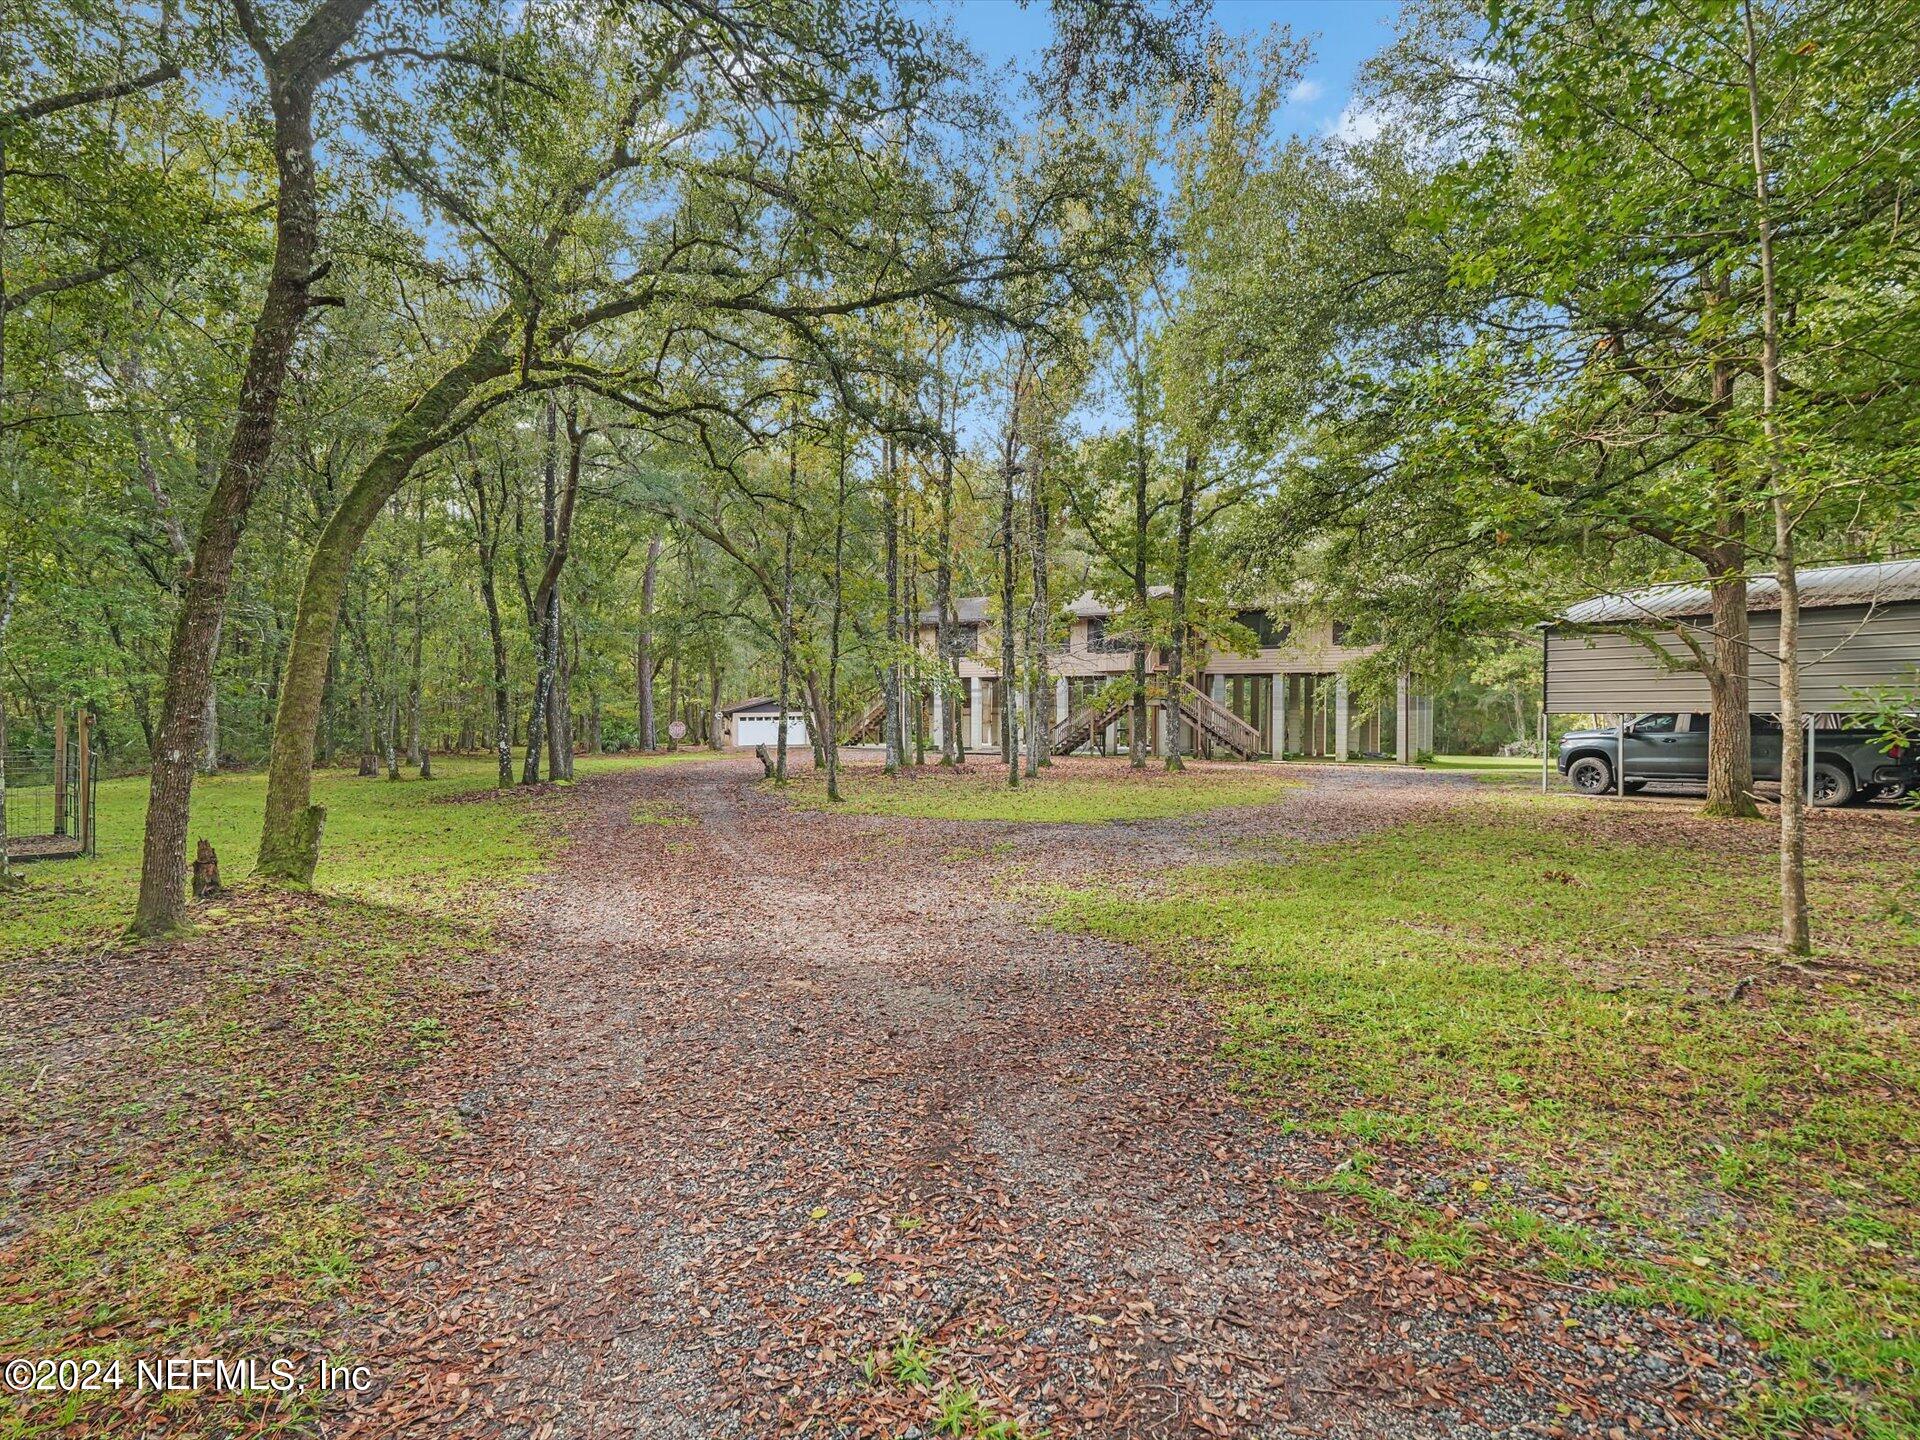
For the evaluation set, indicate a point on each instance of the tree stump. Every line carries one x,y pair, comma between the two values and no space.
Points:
206,872
765,759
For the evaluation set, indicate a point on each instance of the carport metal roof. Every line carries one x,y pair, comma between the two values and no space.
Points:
1828,585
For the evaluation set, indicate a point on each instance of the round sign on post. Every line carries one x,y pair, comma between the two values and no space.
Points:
678,729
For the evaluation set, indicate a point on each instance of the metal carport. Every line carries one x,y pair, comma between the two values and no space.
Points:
1859,631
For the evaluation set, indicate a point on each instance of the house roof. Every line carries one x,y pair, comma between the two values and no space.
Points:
1089,606
967,610
759,702
1822,587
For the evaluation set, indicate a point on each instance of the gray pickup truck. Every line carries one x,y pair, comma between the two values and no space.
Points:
1848,765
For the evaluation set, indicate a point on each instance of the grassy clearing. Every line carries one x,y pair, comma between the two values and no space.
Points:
1075,792
389,842
1545,998
206,1130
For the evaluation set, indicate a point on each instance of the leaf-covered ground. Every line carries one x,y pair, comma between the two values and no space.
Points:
1573,997
748,1119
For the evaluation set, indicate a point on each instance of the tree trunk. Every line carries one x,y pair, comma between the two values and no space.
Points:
713,703
1040,630
1137,740
832,738
545,619
210,716
1009,678
1795,931
416,753
6,618
643,648
890,671
293,72
1177,650
786,604
1729,732
291,830
673,696
947,669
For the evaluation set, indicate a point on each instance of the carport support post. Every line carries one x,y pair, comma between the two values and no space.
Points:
1620,757
1546,765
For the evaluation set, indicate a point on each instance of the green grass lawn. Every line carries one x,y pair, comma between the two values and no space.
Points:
391,842
1525,989
1076,792
1495,764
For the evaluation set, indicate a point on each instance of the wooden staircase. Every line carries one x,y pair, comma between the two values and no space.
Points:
1215,723
865,723
1083,724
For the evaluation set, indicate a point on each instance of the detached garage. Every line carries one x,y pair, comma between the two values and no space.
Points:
1859,631
757,722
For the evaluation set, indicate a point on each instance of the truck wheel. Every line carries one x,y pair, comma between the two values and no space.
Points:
1591,775
1832,785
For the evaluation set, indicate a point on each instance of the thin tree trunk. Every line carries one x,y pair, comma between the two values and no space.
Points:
673,694
832,737
1795,931
947,669
786,604
294,70
1137,741
7,876
1040,719
1009,679
713,703
416,751
1177,651
890,671
643,648
545,618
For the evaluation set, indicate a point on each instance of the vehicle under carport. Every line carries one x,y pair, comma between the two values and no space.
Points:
1627,654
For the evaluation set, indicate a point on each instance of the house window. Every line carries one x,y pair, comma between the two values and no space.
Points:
965,640
1100,643
1341,629
1267,631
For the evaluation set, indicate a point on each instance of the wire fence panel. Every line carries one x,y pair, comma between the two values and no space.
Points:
45,809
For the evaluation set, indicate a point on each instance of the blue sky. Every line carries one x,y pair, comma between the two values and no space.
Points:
1344,33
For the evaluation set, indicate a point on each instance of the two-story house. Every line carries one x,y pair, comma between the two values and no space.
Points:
1288,697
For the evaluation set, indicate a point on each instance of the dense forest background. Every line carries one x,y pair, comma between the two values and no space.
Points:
390,378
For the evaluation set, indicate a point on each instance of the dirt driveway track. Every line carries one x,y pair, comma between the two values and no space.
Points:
773,1087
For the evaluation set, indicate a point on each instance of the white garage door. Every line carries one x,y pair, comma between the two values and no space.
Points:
751,730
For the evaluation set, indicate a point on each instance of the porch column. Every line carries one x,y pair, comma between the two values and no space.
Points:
1217,689
977,738
1278,706
939,716
1059,698
1342,717
1403,719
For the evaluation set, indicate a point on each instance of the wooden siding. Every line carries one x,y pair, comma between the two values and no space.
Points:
1843,649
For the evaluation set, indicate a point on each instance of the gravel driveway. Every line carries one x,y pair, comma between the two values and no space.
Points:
774,1088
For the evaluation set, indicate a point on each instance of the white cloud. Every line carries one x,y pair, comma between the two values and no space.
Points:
1306,92
1356,124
